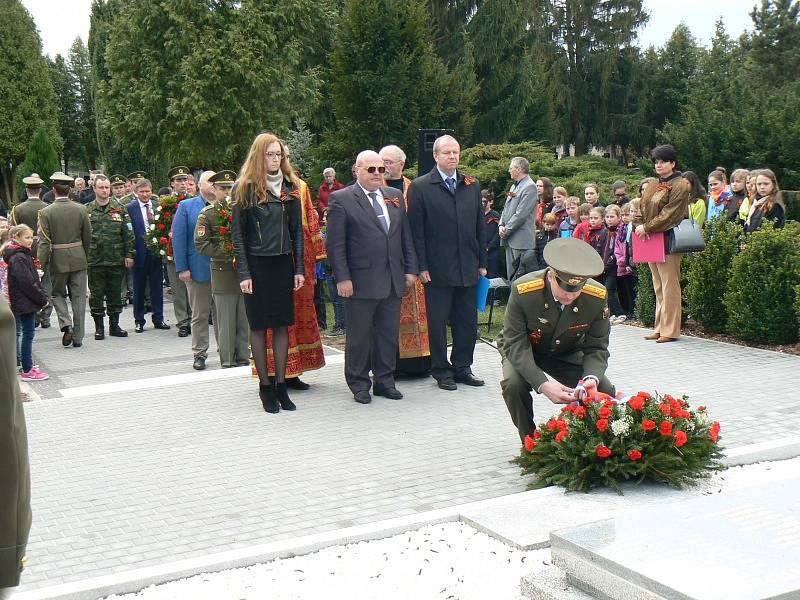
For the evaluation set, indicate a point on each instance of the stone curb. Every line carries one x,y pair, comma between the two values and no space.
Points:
135,580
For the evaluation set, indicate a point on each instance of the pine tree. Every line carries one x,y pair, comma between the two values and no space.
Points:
41,158
388,81
68,110
81,80
588,36
775,43
27,102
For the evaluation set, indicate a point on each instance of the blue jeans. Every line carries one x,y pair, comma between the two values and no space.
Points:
338,305
26,327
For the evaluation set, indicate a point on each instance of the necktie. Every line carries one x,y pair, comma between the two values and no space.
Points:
378,210
149,213
451,185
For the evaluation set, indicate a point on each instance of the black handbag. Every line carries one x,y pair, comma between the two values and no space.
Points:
686,237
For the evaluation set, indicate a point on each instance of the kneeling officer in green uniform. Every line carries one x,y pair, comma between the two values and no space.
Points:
556,324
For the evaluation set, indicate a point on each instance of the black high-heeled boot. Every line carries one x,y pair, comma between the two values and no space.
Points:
268,400
283,397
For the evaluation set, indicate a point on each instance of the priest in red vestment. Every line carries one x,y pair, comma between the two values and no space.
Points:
414,356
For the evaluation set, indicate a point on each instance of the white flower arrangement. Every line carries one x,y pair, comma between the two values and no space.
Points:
621,426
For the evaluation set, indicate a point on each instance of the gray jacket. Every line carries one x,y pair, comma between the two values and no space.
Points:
519,216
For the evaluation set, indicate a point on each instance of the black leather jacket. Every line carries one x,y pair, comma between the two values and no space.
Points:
268,229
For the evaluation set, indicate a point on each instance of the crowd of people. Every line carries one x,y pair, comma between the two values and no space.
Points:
73,242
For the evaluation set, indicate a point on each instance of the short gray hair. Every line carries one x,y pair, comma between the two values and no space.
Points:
521,163
443,139
396,150
329,170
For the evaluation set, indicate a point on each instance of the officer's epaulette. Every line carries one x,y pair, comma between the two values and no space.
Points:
530,286
595,290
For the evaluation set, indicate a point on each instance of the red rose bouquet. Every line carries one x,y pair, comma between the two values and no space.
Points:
607,440
159,238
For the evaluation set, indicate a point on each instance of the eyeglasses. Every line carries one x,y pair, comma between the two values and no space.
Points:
274,154
373,169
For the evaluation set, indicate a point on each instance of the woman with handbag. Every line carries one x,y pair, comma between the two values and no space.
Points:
267,233
664,204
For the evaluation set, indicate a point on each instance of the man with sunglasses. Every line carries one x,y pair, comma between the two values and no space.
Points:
371,251
556,324
447,219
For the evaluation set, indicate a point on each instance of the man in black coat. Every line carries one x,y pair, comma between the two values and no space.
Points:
449,230
371,252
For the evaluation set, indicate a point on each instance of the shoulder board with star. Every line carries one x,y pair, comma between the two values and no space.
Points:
530,286
595,290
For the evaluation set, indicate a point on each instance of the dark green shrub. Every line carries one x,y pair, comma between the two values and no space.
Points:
792,200
645,296
761,291
708,274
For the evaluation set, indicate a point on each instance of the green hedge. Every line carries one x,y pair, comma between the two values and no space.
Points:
792,200
645,296
708,274
762,290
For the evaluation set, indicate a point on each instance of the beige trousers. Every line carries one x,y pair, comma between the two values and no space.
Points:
667,286
200,303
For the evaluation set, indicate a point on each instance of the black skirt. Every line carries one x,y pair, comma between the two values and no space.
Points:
272,302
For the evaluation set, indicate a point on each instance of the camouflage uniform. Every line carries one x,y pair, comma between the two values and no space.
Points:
230,319
112,242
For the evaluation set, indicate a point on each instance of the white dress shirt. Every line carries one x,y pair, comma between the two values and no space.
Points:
143,208
381,202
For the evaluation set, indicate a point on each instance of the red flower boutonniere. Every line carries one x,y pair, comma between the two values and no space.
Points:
664,186
393,201
295,193
469,180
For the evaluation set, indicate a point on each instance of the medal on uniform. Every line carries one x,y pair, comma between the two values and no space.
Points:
535,336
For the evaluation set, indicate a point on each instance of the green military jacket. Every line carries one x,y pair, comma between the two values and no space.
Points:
15,485
207,242
535,327
112,234
65,235
127,199
27,213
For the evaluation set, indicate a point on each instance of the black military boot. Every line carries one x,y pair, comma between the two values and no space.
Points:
99,328
113,327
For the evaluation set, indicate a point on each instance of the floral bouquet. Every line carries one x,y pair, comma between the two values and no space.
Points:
603,441
159,238
225,220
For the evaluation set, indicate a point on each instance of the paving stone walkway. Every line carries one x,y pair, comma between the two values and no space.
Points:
154,468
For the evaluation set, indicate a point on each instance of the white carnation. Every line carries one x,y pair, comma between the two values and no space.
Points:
156,216
163,252
620,427
155,240
701,417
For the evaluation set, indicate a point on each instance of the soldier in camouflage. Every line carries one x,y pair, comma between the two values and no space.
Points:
111,252
230,323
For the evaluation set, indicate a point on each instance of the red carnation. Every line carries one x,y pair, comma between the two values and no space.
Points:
634,455
529,443
648,425
536,434
551,425
561,424
668,398
665,428
680,438
223,230
602,451
701,408
681,413
579,412
161,227
163,241
561,435
644,395
604,412
713,433
665,408
602,424
636,403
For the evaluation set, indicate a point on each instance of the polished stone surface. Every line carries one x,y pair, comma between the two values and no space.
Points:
744,545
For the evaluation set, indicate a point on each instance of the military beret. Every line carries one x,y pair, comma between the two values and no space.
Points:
60,177
573,261
178,173
137,175
117,180
33,180
223,178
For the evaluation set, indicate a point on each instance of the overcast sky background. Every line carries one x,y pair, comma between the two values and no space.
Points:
59,23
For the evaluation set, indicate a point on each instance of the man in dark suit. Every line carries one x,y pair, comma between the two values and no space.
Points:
449,230
371,251
146,267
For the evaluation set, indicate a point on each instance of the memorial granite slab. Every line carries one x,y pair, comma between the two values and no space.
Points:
743,545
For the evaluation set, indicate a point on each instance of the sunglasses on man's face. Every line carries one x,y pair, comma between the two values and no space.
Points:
374,169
